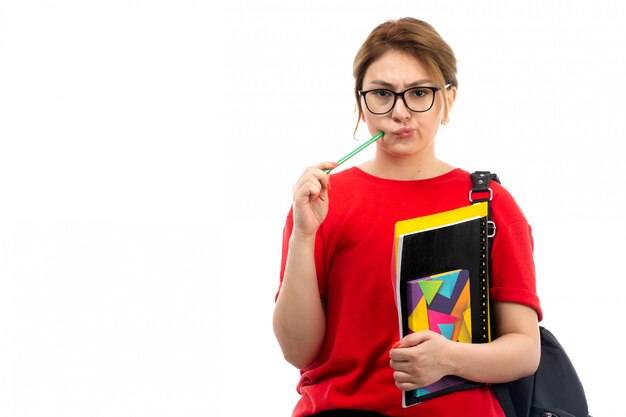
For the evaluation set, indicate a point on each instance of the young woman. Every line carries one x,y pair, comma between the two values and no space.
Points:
335,316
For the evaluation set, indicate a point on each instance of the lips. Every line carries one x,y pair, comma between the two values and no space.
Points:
405,132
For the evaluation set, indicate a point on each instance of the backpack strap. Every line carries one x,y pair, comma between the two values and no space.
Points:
506,402
480,192
480,186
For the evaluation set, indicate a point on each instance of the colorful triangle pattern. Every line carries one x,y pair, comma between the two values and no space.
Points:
418,320
442,304
421,392
447,330
448,282
430,289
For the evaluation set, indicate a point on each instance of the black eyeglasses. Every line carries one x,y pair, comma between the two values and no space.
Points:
417,99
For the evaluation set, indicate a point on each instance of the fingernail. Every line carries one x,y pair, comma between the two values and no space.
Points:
395,345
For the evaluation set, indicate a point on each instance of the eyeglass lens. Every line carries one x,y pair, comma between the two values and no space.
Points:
417,99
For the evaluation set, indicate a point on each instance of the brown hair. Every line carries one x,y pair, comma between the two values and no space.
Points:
416,38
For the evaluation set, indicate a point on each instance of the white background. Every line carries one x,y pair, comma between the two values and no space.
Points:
148,148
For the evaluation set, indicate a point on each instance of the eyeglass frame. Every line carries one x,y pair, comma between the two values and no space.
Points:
401,94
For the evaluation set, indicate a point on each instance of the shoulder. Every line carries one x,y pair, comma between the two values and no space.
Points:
351,184
351,188
504,206
350,176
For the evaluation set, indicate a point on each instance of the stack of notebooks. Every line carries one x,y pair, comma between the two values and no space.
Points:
442,283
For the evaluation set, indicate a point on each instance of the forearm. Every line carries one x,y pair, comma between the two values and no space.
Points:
299,317
513,355
507,358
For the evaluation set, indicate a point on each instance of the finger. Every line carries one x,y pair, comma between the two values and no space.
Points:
318,173
404,381
326,165
314,174
407,386
401,366
307,191
417,338
400,354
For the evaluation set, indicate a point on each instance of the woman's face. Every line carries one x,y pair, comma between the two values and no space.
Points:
407,132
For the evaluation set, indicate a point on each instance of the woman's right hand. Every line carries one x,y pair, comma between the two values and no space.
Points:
310,199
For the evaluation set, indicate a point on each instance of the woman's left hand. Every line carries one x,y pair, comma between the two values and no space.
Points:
420,359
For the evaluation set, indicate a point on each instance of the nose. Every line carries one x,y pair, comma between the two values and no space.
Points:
400,111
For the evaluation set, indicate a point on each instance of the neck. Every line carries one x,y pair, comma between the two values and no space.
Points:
406,169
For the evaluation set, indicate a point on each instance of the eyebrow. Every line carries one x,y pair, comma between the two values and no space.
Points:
417,83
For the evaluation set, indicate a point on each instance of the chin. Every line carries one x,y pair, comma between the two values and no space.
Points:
406,147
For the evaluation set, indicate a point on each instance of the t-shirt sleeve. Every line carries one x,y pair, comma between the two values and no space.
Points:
513,268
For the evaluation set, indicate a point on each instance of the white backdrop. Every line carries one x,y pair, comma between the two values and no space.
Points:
148,148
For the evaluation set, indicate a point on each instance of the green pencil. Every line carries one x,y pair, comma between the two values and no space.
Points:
359,149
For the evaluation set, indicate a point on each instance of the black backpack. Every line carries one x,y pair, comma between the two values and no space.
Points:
554,390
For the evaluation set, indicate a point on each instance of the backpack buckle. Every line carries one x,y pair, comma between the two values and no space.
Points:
471,195
491,229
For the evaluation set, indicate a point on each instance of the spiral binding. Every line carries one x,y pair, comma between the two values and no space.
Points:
483,293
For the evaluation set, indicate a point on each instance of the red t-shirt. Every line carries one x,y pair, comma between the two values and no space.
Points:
353,254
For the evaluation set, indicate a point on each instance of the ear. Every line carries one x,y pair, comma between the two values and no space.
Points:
451,96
